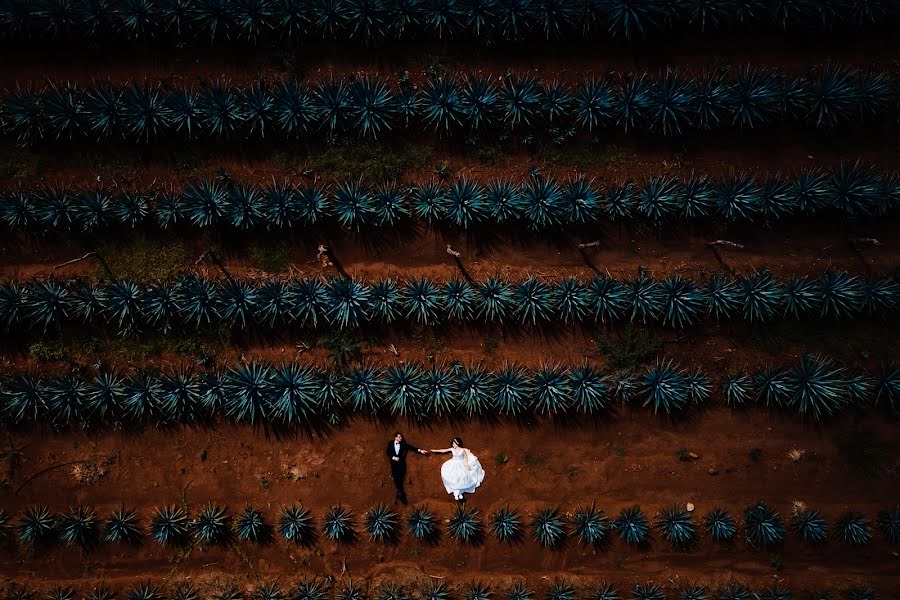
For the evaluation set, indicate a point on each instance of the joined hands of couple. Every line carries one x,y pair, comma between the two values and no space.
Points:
397,458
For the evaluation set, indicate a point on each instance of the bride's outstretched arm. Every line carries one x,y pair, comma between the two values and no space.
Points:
440,450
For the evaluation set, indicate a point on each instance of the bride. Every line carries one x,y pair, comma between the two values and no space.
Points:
462,473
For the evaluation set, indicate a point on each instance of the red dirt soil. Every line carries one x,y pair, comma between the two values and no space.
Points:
629,460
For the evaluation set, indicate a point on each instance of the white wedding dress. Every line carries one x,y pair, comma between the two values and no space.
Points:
457,477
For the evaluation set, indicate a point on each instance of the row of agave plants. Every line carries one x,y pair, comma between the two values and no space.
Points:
345,303
539,202
295,394
172,525
559,589
503,104
374,20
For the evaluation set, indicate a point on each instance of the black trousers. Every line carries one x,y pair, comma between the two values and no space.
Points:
398,474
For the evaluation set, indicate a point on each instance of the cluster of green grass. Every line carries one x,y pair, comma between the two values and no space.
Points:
369,161
628,348
144,259
67,346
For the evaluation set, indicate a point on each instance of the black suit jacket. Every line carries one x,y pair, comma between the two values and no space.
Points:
405,449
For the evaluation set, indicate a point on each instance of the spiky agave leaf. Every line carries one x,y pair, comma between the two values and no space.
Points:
475,386
294,108
211,525
543,203
122,303
697,197
129,208
63,110
603,591
251,525
310,589
676,526
664,387
482,101
47,303
23,399
103,397
594,104
698,386
887,384
834,96
144,590
141,396
809,525
520,100
733,591
459,300
18,210
389,205
645,297
773,386
248,388
819,387
205,202
561,590
477,591
882,294
801,296
588,388
349,591
762,526
392,590
518,591
660,199
505,524
65,399
292,390
465,524
853,528
739,197
79,526
436,590
145,111
273,304
683,302
609,299
404,390
61,592
591,525
812,191
889,523
443,104
550,385
101,592
23,114
295,524
422,523
373,106
632,526
38,525
353,204
92,210
269,591
497,300
123,526
337,524
464,203
87,301
548,528
348,302
581,200
169,525
382,523
855,190
738,389
647,591
282,205
440,390
861,593
620,201
842,294
755,96
428,201
245,206
422,299
513,389
228,592
762,297
310,301
673,102
692,592
633,19
103,110
365,389
719,525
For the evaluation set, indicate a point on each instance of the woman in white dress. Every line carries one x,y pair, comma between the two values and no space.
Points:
462,473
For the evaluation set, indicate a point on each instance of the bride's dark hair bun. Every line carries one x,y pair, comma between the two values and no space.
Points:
458,442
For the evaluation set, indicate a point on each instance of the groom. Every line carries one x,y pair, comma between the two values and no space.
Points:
396,453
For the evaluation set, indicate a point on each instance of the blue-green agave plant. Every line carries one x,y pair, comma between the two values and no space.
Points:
465,525
422,523
853,528
505,524
382,524
548,527
170,525
762,526
591,526
250,525
676,526
809,525
719,525
123,526
632,526
295,524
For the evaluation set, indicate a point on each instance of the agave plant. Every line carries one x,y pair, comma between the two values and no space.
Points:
773,387
561,590
632,526
519,100
423,301
79,526
591,525
497,300
389,205
683,303
382,524
144,590
436,590
646,298
548,528
348,302
392,591
513,389
660,199
38,525
248,387
505,524
762,297
123,526
675,525
170,525
550,387
719,525
664,387
842,295
404,390
295,524
777,592
518,591
738,389
819,388
477,591
251,525
647,591
609,299
889,523
762,526
588,389
465,525
853,528
809,525
422,523
337,524
349,591
692,592
310,589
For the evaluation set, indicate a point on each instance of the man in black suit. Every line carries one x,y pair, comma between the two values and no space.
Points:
396,453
